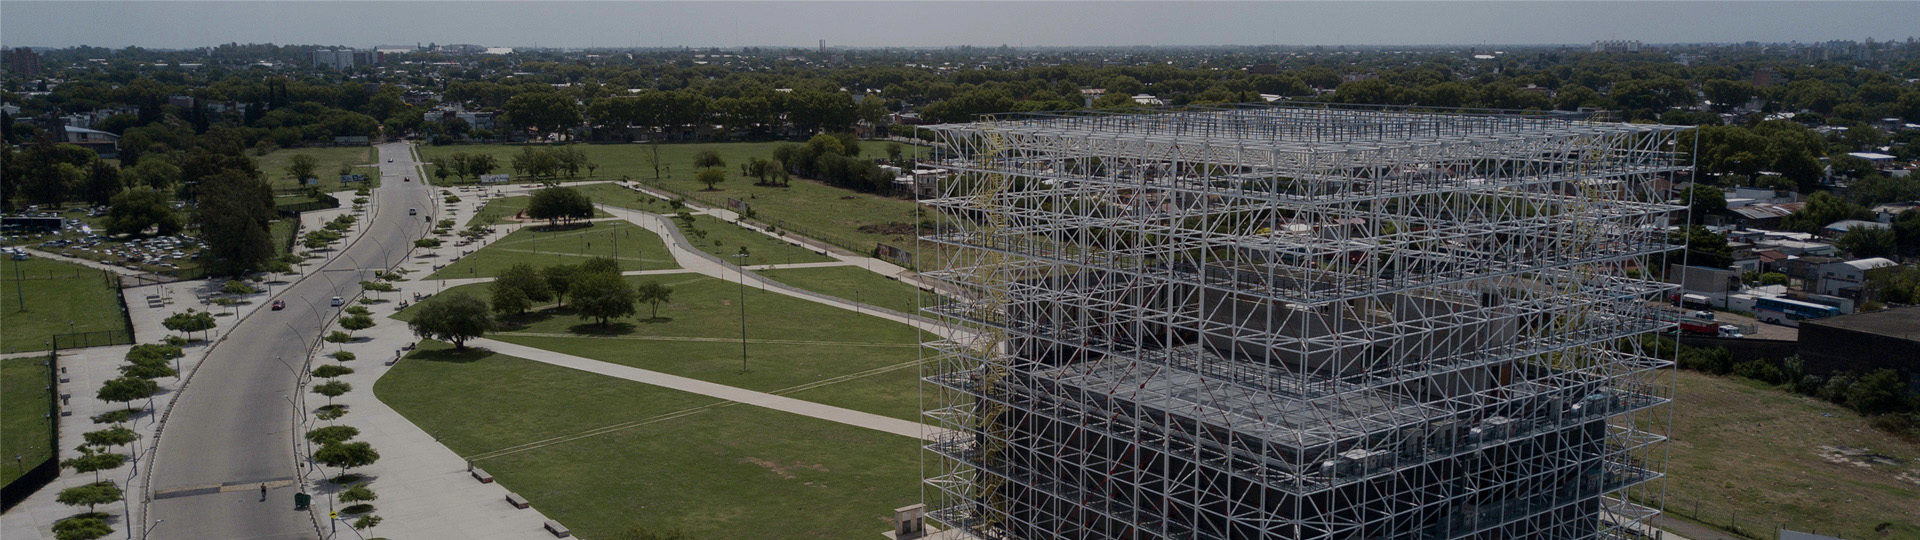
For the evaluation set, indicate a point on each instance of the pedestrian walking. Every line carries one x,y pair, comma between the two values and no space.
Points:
263,492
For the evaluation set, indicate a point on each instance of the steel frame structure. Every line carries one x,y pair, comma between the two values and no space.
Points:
1300,321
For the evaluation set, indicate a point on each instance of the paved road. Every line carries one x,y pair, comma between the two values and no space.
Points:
230,431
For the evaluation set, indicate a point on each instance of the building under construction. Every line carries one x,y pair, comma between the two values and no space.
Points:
1298,322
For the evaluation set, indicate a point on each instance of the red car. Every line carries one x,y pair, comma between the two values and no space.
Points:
279,305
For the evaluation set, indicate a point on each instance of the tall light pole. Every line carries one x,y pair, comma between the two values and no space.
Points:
743,307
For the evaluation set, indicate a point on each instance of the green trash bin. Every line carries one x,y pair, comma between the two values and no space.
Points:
301,500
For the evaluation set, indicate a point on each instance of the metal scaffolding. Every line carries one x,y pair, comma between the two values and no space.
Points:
1305,321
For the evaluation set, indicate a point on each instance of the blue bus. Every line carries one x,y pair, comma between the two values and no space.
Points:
1790,312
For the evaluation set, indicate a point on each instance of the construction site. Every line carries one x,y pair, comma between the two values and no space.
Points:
1300,321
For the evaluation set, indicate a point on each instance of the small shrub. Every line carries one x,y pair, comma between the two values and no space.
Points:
343,356
368,301
366,522
176,341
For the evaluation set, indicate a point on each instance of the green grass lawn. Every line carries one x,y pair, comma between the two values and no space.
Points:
720,237
810,208
281,230
791,343
725,239
25,430
273,166
854,283
78,295
1747,450
639,249
667,460
503,209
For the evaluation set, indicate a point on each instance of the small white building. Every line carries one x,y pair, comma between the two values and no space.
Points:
1848,278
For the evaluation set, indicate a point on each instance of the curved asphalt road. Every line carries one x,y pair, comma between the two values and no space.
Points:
230,430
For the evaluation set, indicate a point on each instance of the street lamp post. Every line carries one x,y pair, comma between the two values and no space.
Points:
150,528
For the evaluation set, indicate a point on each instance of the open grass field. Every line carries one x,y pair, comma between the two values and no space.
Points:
674,461
715,236
503,209
854,283
273,166
1763,457
25,430
810,208
725,239
639,249
59,298
825,354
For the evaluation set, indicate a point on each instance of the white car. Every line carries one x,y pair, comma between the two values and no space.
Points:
337,302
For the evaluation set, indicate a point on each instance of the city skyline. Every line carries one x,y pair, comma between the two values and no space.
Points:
175,25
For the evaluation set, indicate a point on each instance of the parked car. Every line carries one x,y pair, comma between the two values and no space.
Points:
337,302
279,305
1703,314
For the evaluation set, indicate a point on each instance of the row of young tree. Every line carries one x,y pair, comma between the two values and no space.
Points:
593,290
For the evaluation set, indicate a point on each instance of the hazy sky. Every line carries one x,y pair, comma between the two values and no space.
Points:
179,24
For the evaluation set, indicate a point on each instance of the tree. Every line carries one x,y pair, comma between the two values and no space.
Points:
134,211
524,277
559,279
103,182
1773,278
456,318
559,203
427,243
599,265
654,294
345,456
356,323
1703,201
94,462
332,435
332,370
708,158
302,167
147,371
126,389
87,526
233,215
110,437
1863,241
1877,392
358,493
711,176
603,296
332,389
507,299
545,112
90,495
337,337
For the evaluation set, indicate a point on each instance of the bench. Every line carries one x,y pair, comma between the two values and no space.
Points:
558,530
517,501
482,476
